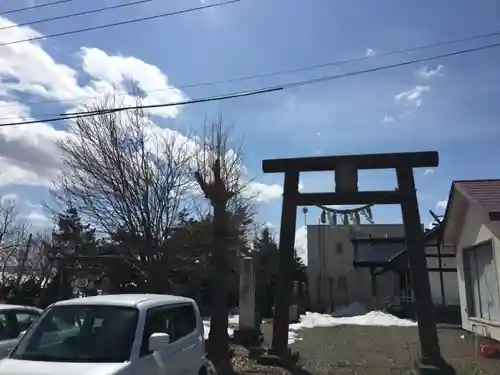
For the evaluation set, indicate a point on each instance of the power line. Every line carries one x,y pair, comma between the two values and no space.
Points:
105,26
34,7
289,71
343,62
264,90
113,110
91,11
316,80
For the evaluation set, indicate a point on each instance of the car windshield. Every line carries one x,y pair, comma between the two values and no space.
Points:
80,333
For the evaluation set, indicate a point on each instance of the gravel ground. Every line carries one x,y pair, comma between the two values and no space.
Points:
357,350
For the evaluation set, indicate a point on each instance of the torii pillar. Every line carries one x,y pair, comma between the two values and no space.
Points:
346,192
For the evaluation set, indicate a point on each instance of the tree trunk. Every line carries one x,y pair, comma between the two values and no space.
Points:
218,342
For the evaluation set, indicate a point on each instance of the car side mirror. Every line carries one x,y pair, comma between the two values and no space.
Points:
21,334
158,341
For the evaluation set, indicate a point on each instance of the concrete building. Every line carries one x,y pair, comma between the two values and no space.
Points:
333,279
370,274
472,230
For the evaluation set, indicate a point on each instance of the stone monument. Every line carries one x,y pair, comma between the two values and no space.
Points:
248,333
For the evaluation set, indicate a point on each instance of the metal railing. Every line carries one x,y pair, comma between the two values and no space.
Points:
397,301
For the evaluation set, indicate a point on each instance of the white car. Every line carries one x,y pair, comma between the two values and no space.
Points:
13,320
122,334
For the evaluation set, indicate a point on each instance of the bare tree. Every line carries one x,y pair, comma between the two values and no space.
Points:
38,263
220,175
13,236
123,174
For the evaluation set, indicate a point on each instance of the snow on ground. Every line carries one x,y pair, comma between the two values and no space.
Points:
234,319
354,314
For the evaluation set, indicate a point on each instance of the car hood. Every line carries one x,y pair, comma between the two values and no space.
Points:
18,367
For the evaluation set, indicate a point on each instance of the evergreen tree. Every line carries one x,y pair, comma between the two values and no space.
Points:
69,238
266,255
73,237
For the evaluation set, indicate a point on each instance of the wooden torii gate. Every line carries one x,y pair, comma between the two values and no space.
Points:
346,192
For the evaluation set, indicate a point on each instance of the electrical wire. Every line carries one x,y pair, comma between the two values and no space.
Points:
113,110
264,90
316,80
283,72
34,7
91,11
114,24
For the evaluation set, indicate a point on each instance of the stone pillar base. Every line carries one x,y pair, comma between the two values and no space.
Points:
442,368
248,337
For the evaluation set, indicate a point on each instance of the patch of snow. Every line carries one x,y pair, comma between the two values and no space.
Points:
373,318
293,336
234,319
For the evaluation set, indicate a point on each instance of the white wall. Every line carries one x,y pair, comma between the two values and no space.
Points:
476,230
324,264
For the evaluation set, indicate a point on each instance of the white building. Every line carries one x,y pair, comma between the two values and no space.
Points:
339,275
472,230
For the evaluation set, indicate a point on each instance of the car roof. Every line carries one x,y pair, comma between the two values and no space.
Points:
141,301
5,306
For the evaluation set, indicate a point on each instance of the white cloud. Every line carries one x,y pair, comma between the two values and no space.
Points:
32,69
9,197
263,192
38,219
412,97
442,204
388,119
428,171
428,74
301,243
370,52
269,225
120,71
28,153
14,174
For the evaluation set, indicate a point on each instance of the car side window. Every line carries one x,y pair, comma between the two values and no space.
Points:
157,321
12,323
25,320
184,321
3,327
178,322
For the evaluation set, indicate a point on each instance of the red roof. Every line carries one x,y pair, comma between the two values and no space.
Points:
485,193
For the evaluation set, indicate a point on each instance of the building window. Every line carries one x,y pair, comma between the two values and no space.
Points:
339,248
481,282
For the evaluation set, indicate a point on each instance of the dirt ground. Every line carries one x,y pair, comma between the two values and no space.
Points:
358,350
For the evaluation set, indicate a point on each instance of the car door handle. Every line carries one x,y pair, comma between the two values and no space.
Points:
187,348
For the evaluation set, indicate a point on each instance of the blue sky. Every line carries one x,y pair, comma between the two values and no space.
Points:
448,105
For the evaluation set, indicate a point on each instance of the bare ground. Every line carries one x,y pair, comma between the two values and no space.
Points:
357,350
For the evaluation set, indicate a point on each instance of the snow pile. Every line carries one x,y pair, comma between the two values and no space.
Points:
234,319
354,314
373,318
353,309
